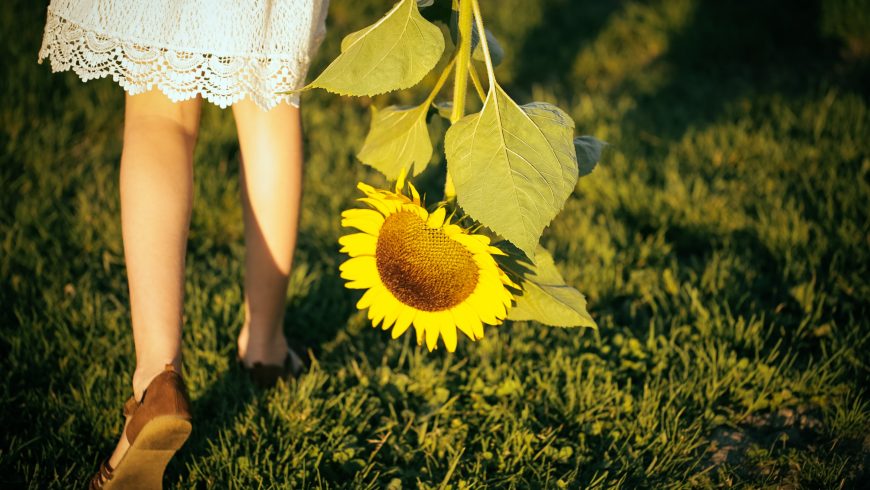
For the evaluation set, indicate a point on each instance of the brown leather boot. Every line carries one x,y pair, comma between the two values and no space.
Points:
156,428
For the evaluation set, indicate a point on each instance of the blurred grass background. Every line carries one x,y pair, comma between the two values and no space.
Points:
722,243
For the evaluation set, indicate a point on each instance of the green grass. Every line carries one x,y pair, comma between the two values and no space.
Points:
722,243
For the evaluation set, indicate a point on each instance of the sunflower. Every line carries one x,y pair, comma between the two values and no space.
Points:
420,269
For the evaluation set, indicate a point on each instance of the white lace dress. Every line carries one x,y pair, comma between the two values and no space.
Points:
224,50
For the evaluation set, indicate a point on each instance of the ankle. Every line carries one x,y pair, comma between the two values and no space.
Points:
262,345
146,372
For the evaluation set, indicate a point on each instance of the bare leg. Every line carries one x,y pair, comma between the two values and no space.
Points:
156,201
271,182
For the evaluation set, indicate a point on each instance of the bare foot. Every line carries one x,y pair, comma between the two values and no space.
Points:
256,347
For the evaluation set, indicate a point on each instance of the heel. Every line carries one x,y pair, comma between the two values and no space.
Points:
146,460
166,396
164,434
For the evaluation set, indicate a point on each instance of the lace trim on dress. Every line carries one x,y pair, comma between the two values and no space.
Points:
222,80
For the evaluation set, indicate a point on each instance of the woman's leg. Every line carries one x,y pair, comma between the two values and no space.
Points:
271,182
156,201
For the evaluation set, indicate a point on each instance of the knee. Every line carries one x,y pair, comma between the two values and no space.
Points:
159,132
153,117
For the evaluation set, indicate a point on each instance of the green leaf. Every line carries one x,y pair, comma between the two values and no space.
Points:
547,299
513,167
588,150
445,108
425,3
394,53
398,138
353,37
496,52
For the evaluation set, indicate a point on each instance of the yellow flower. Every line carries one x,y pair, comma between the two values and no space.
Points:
420,269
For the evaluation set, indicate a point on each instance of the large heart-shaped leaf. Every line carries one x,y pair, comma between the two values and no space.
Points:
547,299
398,138
394,53
513,167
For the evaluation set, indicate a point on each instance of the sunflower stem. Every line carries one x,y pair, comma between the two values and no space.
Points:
478,19
460,84
441,80
475,80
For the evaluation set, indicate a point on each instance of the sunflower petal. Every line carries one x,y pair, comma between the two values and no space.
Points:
465,319
506,280
386,207
431,337
358,268
451,229
392,308
442,323
473,246
358,244
414,194
484,308
405,319
418,210
424,322
448,333
420,331
362,283
436,218
376,312
363,214
478,330
367,220
496,251
367,188
485,261
400,180
369,297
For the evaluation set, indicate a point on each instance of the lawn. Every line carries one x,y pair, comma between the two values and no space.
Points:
722,244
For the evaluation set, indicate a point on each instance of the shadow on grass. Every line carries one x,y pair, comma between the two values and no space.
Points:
565,27
725,52
313,320
730,51
735,266
213,412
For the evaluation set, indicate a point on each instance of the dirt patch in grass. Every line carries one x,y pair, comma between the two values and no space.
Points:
764,447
